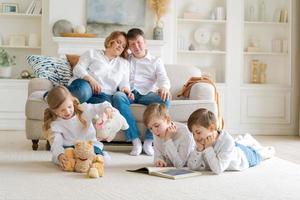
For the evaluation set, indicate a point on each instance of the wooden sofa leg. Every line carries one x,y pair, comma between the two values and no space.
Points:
48,146
35,144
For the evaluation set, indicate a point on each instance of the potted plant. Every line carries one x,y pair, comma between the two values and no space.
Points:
6,62
160,8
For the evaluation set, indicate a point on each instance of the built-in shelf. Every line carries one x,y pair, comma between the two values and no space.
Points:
184,20
201,52
18,47
266,23
20,15
266,53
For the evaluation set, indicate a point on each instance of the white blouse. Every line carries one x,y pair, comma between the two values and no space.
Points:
68,131
110,74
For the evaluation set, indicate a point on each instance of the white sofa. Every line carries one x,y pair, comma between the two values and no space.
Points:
201,95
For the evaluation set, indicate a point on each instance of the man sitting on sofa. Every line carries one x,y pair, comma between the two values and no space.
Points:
149,84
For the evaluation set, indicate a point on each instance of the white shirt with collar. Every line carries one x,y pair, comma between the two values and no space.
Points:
110,74
176,150
223,155
147,74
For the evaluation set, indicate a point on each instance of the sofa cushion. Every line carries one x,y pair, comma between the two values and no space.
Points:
56,70
73,60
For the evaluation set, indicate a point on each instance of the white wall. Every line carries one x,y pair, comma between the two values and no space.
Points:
56,10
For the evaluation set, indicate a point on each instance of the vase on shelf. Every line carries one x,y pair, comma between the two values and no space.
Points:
158,32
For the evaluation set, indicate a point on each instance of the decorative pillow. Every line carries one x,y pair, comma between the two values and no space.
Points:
56,70
73,60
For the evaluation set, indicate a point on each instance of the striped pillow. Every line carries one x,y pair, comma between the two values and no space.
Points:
57,70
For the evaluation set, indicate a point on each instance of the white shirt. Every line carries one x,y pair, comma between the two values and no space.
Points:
147,74
176,150
110,74
68,131
224,155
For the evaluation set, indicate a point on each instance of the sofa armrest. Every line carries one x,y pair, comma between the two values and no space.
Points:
202,91
39,84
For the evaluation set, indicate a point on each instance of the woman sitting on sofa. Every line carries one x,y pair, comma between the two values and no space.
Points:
99,73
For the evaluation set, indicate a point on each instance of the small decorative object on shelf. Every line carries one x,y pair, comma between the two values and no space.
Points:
220,13
33,40
10,8
254,71
262,11
192,47
215,40
262,73
254,45
6,62
79,29
25,74
283,16
62,26
160,7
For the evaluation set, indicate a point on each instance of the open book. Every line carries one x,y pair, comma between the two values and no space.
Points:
167,172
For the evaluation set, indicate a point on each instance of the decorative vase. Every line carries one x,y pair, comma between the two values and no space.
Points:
158,33
5,71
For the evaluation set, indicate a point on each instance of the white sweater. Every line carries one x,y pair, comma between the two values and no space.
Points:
176,150
68,131
110,74
147,74
223,155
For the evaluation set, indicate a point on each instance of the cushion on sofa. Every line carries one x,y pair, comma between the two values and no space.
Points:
56,70
73,59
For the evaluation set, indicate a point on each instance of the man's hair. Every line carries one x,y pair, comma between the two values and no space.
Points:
155,110
134,32
202,117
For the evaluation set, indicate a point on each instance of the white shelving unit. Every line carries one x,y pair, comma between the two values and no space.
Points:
267,104
193,19
12,104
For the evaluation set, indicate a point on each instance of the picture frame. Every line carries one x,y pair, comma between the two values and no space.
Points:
10,8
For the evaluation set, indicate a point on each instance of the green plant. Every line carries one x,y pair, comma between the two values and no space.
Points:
5,59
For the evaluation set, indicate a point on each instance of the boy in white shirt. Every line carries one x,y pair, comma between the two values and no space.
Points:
217,150
149,83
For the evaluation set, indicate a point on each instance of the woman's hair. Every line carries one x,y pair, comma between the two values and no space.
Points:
57,96
155,110
134,32
112,37
202,117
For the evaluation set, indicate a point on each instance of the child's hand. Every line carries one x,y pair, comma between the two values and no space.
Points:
108,111
209,141
200,145
171,130
62,160
160,163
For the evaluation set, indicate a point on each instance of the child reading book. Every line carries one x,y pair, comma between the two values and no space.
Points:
217,150
172,140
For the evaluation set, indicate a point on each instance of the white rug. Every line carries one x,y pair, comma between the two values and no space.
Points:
25,174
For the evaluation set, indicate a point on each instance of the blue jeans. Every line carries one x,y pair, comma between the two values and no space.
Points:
82,90
252,155
122,103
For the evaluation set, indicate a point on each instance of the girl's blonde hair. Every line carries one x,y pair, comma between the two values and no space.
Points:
55,98
112,37
202,117
155,110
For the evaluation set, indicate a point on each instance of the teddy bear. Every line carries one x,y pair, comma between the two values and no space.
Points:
86,161
70,165
108,128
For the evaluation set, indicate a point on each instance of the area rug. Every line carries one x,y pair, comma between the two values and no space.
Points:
30,175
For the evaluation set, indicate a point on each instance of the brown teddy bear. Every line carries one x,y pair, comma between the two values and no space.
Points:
87,161
70,165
